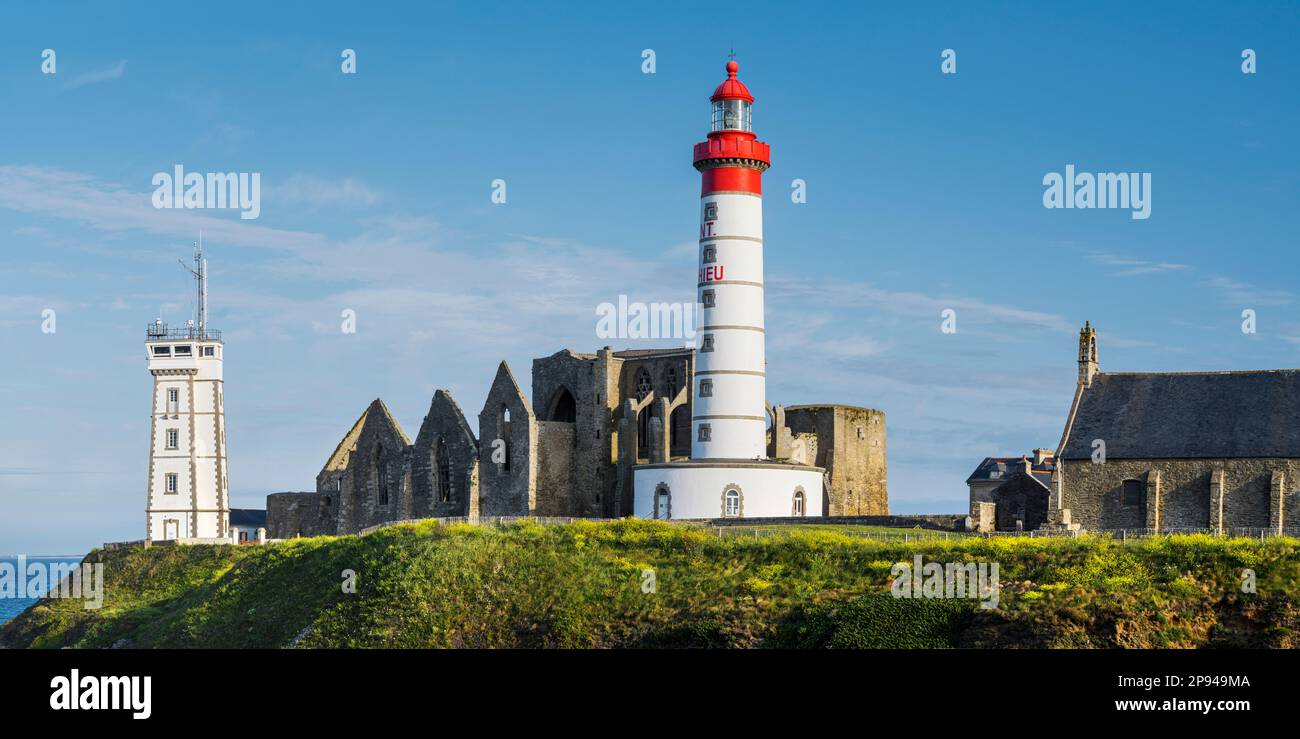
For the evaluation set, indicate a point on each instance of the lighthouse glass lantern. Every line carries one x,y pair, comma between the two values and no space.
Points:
732,115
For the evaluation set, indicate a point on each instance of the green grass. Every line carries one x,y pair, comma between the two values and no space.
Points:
580,585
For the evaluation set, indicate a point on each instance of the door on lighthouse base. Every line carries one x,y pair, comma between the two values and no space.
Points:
661,505
170,529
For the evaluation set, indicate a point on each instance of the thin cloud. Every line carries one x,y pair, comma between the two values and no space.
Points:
1135,267
1238,293
112,207
107,74
319,192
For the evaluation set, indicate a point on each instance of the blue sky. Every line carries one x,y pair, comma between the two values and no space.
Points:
924,193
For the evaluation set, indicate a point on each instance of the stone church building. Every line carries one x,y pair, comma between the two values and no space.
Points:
568,452
1182,450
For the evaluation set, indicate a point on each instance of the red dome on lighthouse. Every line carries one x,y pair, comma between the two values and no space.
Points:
732,88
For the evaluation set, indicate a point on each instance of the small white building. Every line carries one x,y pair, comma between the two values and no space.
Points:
187,491
245,524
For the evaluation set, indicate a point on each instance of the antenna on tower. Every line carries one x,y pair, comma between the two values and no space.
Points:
200,272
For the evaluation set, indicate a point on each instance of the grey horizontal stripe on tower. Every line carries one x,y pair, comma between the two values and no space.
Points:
732,372
731,192
729,282
730,418
734,238
734,328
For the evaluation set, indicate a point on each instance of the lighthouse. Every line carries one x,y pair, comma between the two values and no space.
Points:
729,474
729,415
187,494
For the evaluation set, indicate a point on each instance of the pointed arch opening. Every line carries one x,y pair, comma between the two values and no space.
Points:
563,407
503,424
679,440
381,476
644,386
442,471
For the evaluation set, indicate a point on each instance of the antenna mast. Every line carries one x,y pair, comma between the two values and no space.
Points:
200,272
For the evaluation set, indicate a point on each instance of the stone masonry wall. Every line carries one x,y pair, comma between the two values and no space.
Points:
1093,492
507,488
444,427
380,464
555,445
289,515
851,446
583,377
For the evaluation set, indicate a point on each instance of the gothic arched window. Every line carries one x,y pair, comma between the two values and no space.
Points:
644,386
503,425
672,382
643,383
381,476
442,469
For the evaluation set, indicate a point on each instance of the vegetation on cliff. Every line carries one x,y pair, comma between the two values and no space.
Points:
583,585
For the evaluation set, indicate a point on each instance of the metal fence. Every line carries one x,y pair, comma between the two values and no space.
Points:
484,521
907,535
763,531
1125,534
899,535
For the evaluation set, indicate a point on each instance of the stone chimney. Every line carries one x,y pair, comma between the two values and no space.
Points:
1087,354
1041,456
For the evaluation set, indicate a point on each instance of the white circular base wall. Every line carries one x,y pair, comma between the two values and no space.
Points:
700,489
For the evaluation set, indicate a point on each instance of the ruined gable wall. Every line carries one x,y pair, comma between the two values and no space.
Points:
444,424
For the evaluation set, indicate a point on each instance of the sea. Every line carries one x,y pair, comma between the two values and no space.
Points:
12,606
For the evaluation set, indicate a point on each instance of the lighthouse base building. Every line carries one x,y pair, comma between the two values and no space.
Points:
717,488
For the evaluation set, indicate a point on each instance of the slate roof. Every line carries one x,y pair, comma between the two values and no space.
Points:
1189,415
1009,466
641,353
247,517
339,459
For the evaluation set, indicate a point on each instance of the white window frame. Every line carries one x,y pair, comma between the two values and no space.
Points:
171,483
732,495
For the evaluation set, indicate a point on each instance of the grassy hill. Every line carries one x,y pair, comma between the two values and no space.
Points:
581,585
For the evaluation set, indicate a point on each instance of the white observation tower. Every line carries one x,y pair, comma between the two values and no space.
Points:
188,496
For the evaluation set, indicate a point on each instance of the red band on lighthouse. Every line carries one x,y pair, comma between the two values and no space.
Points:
731,179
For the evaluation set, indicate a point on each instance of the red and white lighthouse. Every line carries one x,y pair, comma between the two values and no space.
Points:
729,474
729,417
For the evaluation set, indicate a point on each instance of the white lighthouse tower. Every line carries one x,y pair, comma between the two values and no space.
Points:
729,412
188,496
729,474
